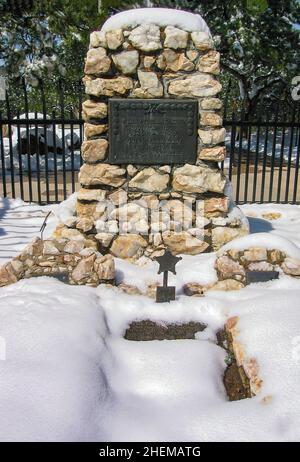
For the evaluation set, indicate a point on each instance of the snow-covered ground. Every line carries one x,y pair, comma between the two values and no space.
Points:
66,373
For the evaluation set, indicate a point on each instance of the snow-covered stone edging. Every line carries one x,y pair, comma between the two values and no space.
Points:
241,378
256,252
161,54
74,259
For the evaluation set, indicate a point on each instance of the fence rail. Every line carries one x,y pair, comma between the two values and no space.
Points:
41,132
40,149
263,158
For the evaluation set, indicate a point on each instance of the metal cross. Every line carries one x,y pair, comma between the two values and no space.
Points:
167,262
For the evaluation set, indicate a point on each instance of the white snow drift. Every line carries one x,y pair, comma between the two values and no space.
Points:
161,16
68,375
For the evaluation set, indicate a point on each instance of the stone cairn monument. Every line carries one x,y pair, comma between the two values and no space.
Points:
154,139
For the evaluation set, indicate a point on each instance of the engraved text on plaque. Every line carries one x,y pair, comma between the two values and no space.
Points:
155,131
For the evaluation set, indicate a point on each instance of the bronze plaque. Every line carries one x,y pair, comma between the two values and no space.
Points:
154,131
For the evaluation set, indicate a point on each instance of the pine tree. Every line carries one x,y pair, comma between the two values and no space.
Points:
49,39
258,41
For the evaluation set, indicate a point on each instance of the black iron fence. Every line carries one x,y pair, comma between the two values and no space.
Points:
40,144
263,155
40,148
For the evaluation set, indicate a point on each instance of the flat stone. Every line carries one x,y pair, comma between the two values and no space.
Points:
148,61
149,201
217,154
210,62
83,270
102,174
198,179
210,119
114,39
129,212
118,197
107,226
129,289
276,256
202,41
86,252
85,224
131,170
72,234
91,210
104,267
170,60
104,239
7,276
117,86
35,248
127,46
93,110
74,247
194,289
97,62
212,137
90,246
192,54
98,39
222,235
211,104
128,246
141,227
127,61
234,254
227,285
146,37
91,194
196,85
149,180
291,266
184,243
178,210
175,38
256,254
228,268
150,86
47,264
94,150
17,267
49,248
92,130
216,204
70,222
165,168
271,216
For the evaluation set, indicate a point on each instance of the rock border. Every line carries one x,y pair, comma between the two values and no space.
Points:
79,264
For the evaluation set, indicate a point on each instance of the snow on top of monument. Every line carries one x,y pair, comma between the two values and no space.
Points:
161,16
